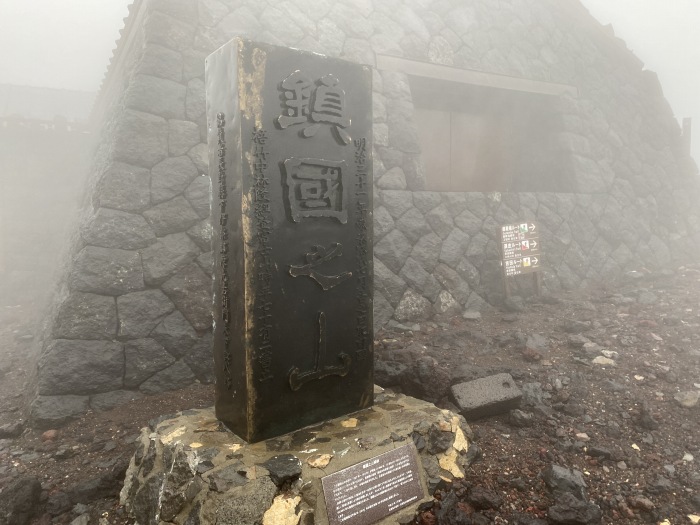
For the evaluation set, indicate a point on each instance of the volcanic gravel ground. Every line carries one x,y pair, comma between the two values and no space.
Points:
609,417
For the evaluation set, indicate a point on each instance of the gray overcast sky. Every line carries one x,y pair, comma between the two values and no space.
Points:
67,43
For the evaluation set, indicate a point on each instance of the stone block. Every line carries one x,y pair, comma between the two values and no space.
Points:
157,96
170,32
176,334
469,273
206,263
456,203
118,229
201,233
440,221
469,223
383,311
190,290
174,377
140,312
207,38
416,276
357,50
397,202
196,103
450,280
321,208
388,283
86,316
446,305
200,359
413,225
413,308
211,12
427,251
106,271
331,37
242,21
383,222
53,411
426,200
380,134
161,62
141,138
198,194
169,255
143,359
183,135
393,250
173,216
283,26
80,367
200,156
454,247
193,64
486,396
124,187
171,177
109,400
182,9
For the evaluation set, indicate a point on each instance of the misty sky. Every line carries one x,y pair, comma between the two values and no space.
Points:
67,43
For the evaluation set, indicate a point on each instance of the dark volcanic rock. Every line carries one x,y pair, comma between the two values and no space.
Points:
11,430
438,440
482,498
521,419
451,513
102,486
19,501
426,380
226,478
646,418
563,480
569,510
285,467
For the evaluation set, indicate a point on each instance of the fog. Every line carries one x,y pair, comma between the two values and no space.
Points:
67,46
64,45
664,36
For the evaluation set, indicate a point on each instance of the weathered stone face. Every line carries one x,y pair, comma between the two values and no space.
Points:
291,163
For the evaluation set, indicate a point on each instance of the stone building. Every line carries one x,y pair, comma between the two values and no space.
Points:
484,113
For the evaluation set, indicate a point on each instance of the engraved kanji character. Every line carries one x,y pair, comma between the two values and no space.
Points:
329,108
315,258
315,189
297,92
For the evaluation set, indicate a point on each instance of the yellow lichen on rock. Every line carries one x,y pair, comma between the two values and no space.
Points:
283,511
448,462
319,460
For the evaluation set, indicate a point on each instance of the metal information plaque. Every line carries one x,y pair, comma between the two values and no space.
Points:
369,491
520,249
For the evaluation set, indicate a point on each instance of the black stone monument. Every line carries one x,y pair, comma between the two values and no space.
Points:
290,141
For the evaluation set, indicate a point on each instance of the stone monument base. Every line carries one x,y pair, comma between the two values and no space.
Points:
191,470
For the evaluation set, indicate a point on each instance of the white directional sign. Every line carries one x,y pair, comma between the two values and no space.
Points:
520,248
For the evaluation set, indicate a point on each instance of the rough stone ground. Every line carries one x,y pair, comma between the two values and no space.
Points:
621,422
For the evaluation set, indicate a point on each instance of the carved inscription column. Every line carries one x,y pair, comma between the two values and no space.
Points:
293,284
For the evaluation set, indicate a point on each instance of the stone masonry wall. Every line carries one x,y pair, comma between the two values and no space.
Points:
134,315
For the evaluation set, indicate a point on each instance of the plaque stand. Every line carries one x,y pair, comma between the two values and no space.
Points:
191,469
